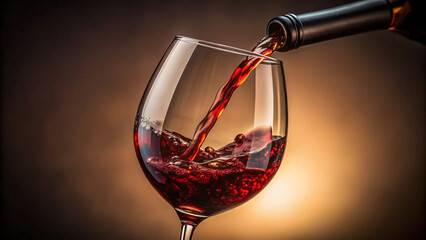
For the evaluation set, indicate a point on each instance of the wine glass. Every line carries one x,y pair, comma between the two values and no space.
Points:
242,151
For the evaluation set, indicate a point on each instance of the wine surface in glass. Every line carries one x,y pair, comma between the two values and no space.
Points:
215,180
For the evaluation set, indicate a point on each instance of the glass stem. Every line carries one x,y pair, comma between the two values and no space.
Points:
186,231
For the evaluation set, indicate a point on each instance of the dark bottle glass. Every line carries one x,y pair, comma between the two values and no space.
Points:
407,17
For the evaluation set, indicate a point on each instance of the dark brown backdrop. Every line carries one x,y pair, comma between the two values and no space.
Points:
72,77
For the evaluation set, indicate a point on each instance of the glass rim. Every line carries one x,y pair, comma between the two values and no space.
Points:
226,48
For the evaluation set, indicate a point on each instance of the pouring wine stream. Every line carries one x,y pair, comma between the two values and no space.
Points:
266,47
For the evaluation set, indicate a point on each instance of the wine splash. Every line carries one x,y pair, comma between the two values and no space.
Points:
265,47
216,180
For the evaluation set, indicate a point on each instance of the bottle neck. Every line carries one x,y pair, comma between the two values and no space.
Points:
345,20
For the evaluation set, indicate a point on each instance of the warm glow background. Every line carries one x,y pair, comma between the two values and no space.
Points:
72,78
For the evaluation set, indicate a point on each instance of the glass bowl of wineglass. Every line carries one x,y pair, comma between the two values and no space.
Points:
211,127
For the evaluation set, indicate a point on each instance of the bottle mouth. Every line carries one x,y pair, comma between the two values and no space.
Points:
292,29
230,49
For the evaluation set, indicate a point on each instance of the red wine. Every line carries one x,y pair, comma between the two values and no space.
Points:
265,47
216,180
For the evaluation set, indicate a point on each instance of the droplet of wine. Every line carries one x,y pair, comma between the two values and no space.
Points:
209,150
239,138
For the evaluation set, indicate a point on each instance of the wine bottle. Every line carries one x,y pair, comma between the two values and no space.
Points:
406,17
